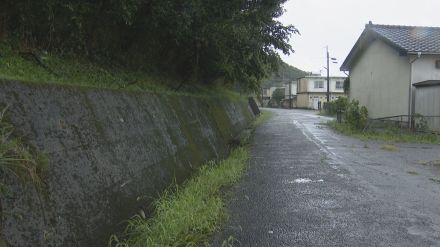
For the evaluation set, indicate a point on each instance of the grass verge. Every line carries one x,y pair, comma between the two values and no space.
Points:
388,135
389,147
43,67
189,214
264,116
192,213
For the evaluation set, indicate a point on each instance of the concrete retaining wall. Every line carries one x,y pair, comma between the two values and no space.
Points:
110,154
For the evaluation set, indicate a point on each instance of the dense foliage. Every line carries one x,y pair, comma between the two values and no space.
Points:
197,40
354,115
332,107
278,95
285,73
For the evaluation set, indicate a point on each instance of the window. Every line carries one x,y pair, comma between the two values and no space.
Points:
339,85
319,84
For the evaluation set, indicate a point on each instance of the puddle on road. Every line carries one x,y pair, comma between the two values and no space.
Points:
302,180
305,181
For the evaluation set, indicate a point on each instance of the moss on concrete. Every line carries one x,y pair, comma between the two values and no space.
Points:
113,154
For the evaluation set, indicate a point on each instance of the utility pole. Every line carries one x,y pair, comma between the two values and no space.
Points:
290,95
328,76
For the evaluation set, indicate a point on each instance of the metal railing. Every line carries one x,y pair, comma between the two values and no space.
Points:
414,123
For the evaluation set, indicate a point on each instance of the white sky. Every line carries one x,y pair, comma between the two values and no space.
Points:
338,24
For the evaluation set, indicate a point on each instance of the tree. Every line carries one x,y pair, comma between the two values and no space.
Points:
278,95
285,73
233,41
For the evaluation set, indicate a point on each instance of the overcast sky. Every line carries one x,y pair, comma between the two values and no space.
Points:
338,24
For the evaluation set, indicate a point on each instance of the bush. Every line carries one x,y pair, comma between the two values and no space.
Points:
277,96
331,108
356,116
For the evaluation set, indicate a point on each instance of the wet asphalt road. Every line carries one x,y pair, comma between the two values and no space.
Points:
308,186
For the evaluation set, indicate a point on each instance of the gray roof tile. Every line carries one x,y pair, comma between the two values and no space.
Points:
406,39
411,39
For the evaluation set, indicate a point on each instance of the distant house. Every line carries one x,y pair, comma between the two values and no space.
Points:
267,96
388,62
312,90
290,97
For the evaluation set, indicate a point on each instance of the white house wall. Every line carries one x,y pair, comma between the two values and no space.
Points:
423,69
311,85
380,81
293,89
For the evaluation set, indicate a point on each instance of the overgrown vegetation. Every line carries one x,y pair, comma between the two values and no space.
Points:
354,122
231,42
187,215
356,116
18,159
393,135
277,96
332,107
75,71
352,114
69,70
265,115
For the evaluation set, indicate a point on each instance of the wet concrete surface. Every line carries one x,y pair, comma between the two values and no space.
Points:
309,186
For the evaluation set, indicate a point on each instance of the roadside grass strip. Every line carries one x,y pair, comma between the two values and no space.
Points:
387,135
389,147
191,213
264,116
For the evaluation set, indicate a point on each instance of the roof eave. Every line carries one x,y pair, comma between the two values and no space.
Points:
364,42
423,53
346,65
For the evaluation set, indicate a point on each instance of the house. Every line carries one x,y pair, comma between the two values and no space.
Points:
388,62
267,96
312,90
427,103
290,99
267,92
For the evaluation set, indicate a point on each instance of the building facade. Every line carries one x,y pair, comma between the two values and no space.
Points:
312,91
385,64
290,97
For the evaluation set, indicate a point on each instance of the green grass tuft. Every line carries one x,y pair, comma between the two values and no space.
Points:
189,215
79,71
265,116
69,70
413,172
389,147
388,135
18,159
